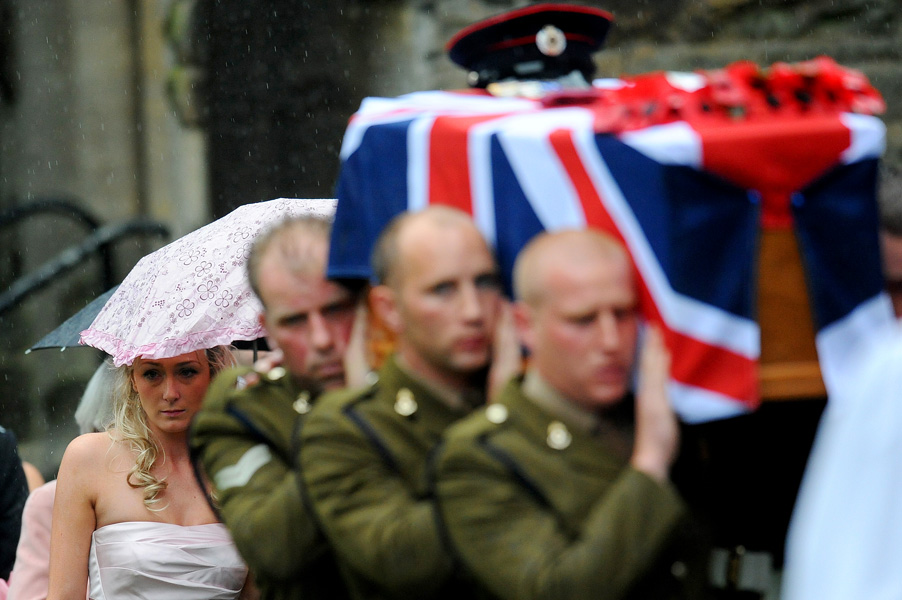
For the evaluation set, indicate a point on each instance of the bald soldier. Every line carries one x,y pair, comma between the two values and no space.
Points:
365,452
561,489
244,435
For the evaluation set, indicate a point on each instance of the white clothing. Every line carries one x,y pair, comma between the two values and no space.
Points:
845,539
146,560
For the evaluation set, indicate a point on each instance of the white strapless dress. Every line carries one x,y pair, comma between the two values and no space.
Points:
142,560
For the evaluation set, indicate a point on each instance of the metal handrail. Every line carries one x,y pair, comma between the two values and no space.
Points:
66,207
61,206
72,256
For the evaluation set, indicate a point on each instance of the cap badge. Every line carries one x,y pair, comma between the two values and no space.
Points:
559,437
302,404
405,403
551,41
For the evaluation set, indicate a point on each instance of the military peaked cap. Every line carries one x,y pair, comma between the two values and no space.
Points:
542,41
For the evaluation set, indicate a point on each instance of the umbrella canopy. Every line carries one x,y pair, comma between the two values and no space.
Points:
69,332
193,293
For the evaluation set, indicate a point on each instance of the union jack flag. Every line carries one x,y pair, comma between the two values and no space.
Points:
685,169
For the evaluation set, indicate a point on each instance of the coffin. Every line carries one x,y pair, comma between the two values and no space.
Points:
745,196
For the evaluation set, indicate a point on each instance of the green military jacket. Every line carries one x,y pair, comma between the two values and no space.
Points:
243,439
538,509
365,463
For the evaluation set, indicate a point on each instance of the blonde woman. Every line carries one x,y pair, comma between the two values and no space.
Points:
130,520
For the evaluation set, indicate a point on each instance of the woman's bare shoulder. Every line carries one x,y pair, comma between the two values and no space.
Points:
90,442
91,449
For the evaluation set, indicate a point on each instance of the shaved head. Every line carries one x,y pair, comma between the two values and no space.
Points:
300,245
403,234
541,258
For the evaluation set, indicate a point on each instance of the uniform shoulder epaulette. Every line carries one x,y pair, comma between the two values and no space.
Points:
347,396
229,377
250,391
485,421
277,376
223,388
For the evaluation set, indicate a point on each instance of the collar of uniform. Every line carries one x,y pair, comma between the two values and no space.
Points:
614,427
431,416
298,386
585,449
454,399
288,382
550,400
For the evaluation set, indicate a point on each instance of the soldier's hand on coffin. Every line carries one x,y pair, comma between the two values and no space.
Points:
657,432
507,357
357,359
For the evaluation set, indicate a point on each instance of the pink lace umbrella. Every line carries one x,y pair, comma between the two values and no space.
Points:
192,293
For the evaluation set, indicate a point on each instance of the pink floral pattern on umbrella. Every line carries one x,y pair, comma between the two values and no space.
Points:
193,293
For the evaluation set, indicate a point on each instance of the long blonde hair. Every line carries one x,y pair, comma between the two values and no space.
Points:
130,423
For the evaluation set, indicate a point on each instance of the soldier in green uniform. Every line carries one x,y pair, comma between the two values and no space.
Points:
365,452
244,436
561,489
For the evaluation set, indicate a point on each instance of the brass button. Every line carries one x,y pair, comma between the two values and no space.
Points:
276,373
405,403
496,413
559,437
302,404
